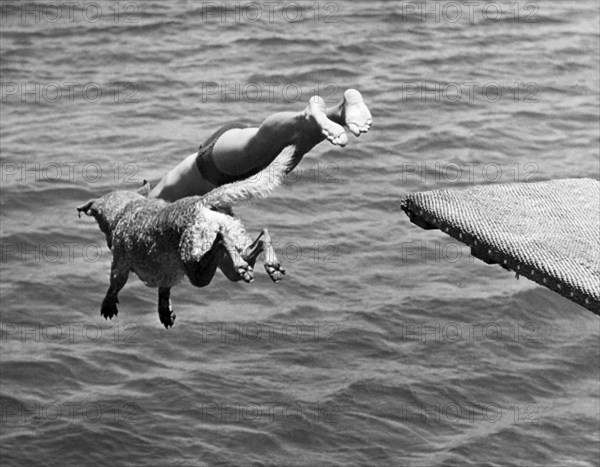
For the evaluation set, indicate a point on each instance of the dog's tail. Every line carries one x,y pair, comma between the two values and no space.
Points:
255,187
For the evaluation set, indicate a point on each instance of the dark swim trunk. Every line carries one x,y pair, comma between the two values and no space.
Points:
206,164
208,169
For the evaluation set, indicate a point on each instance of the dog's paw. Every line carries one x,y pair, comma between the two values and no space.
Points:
246,272
275,271
167,317
109,309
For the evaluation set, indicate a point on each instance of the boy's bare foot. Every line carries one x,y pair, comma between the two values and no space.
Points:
334,132
355,113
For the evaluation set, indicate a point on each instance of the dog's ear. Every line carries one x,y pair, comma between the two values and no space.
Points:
145,189
87,208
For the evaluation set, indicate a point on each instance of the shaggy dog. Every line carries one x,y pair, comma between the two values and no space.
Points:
162,242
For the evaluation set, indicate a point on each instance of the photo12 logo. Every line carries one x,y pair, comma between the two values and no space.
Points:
469,91
270,12
68,332
69,171
453,332
67,92
264,332
469,11
55,252
473,412
268,91
69,412
69,12
471,172
269,412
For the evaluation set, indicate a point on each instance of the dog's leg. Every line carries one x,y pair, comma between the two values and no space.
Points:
263,243
165,310
249,251
201,269
118,279
233,264
250,254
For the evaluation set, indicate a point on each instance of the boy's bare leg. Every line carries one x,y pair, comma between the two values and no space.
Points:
242,150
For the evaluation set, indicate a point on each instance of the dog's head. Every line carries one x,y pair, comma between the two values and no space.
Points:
108,209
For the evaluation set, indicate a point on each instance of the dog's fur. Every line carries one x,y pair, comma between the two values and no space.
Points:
162,242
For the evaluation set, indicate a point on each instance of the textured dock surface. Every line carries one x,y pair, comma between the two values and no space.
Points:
548,232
